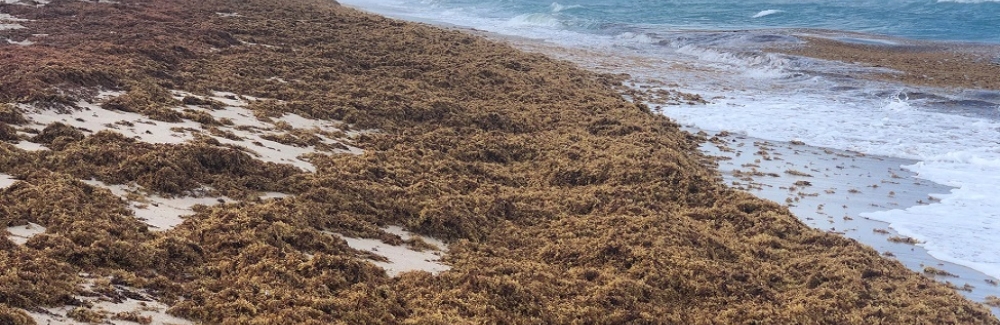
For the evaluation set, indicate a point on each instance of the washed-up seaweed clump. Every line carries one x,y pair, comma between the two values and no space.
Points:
561,201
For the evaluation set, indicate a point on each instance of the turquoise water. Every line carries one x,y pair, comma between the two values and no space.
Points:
952,20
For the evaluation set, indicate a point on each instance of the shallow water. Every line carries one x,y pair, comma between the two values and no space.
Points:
836,190
966,20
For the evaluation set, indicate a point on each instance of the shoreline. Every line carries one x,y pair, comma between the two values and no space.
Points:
940,64
966,280
839,188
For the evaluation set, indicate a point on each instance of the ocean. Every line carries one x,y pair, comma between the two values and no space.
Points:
713,48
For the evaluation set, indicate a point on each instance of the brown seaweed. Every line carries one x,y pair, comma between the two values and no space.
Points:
561,201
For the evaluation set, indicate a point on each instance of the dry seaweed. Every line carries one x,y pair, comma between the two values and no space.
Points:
10,114
561,201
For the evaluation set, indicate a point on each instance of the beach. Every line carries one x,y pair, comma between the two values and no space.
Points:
844,203
232,162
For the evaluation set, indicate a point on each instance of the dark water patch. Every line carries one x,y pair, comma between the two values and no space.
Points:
968,107
843,88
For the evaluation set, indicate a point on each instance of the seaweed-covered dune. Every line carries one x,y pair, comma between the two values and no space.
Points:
224,161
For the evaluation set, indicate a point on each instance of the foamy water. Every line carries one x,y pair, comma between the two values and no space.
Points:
783,98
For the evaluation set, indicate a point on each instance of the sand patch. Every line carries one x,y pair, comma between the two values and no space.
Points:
402,258
20,234
29,146
274,195
92,118
159,212
20,43
245,130
163,213
36,3
126,306
6,181
233,124
5,26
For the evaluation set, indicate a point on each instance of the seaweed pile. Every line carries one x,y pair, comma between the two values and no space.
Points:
966,66
561,202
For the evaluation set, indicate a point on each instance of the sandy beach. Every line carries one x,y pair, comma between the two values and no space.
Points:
832,189
233,162
851,184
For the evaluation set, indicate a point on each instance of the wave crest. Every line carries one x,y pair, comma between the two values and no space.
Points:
766,13
536,20
556,7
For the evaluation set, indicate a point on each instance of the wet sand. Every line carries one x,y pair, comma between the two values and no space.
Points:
830,189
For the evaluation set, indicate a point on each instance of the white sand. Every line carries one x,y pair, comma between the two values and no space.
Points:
246,131
159,212
402,258
9,18
299,122
250,130
10,22
155,310
4,26
6,181
25,42
36,3
274,195
20,234
29,146
92,119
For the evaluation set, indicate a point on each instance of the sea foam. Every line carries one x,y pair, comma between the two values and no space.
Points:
960,227
556,7
766,13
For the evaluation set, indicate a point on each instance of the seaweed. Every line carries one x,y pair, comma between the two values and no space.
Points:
560,201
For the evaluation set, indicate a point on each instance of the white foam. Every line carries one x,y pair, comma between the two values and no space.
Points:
402,258
954,150
766,13
635,37
20,234
962,227
556,7
752,65
535,20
